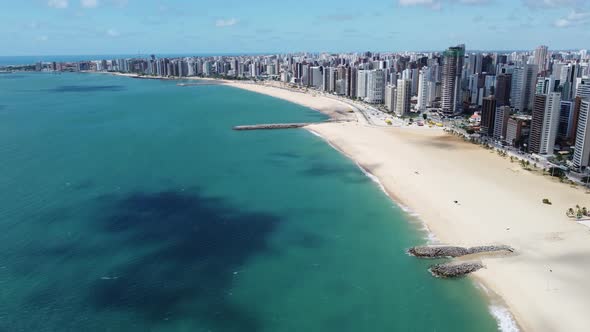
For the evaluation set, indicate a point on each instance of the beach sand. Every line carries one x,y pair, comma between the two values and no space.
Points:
335,109
425,169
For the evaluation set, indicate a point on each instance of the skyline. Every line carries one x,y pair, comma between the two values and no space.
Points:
84,27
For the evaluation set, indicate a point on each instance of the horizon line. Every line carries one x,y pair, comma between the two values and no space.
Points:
276,52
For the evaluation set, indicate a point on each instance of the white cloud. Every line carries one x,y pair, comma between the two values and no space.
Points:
89,3
574,18
113,33
437,4
58,3
552,3
43,38
226,23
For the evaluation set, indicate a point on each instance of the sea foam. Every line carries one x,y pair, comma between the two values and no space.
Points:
504,318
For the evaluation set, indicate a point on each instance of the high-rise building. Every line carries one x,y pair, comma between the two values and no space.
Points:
415,80
500,122
583,88
375,86
502,89
582,149
577,105
422,91
545,123
352,83
517,129
452,100
524,81
316,77
390,96
403,95
361,88
488,115
566,119
541,58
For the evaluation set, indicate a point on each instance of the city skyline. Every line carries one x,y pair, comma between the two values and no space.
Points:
59,27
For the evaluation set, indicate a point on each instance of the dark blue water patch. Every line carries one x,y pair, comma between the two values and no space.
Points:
87,88
207,241
185,252
344,172
2,107
285,155
306,240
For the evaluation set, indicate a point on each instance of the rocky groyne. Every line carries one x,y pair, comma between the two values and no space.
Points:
452,251
271,126
455,270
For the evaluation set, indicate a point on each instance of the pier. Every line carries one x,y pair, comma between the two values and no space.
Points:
272,126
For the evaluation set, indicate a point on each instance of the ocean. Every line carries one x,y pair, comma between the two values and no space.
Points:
131,205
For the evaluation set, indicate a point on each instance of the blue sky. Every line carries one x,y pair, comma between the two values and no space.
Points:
50,27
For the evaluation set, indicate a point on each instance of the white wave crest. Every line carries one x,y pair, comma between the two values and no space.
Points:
504,318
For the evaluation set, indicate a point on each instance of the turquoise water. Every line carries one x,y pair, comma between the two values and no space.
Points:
131,205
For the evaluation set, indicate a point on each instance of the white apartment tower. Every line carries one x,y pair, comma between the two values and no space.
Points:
423,90
361,88
390,95
375,86
550,123
403,95
582,150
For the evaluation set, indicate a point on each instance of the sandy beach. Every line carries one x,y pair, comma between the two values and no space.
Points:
425,169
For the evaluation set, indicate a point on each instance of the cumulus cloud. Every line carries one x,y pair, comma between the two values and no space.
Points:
226,23
89,3
58,3
573,18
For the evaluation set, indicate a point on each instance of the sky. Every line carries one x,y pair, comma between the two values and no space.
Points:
63,27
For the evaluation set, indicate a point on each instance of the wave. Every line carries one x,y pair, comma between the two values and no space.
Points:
504,318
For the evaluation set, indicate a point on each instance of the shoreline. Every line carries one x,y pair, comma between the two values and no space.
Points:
537,286
543,286
496,305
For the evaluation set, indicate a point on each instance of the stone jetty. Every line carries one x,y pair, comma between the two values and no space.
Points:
451,251
272,126
455,270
